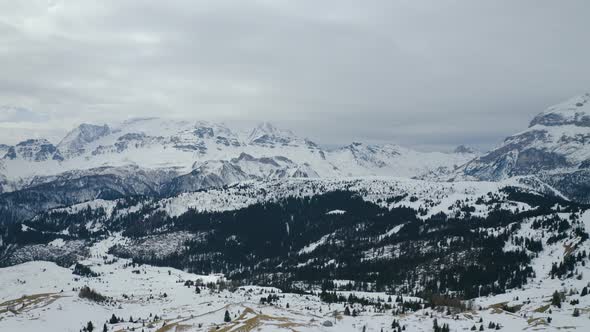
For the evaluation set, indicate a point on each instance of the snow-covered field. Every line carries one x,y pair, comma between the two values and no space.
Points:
41,296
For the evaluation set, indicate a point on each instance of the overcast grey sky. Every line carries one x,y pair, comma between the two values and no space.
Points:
428,74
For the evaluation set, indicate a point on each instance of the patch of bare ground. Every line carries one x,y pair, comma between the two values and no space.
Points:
28,302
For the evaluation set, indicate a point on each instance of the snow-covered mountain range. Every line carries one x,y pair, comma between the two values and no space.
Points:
161,157
185,147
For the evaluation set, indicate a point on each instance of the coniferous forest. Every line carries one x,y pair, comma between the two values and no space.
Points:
296,242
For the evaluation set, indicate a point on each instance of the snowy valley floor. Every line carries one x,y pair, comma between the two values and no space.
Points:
41,296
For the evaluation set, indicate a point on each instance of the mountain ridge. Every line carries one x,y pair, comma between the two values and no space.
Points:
163,144
167,157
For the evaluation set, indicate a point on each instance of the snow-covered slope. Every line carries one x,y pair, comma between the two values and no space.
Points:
393,160
555,147
557,139
37,295
40,295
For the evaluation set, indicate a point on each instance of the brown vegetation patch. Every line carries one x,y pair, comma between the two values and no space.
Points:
543,308
28,302
241,324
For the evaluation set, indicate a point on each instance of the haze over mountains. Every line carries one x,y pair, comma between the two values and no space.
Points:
160,157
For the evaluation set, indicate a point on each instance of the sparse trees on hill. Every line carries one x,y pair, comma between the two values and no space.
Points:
90,294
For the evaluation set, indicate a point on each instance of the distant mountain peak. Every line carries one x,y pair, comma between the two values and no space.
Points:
464,149
266,133
75,141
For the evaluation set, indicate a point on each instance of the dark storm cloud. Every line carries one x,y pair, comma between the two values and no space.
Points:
422,73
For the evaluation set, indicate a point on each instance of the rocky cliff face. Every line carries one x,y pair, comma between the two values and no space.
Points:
555,147
75,141
80,186
34,150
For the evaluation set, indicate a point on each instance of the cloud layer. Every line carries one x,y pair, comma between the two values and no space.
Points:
430,74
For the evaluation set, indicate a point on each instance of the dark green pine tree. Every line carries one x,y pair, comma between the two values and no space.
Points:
346,311
556,299
576,312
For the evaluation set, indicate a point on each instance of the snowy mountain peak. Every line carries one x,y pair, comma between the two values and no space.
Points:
575,111
76,140
268,134
554,148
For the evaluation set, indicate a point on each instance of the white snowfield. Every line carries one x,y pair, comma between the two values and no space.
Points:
41,296
183,146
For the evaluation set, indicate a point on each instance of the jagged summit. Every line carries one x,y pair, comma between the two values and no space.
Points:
76,140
